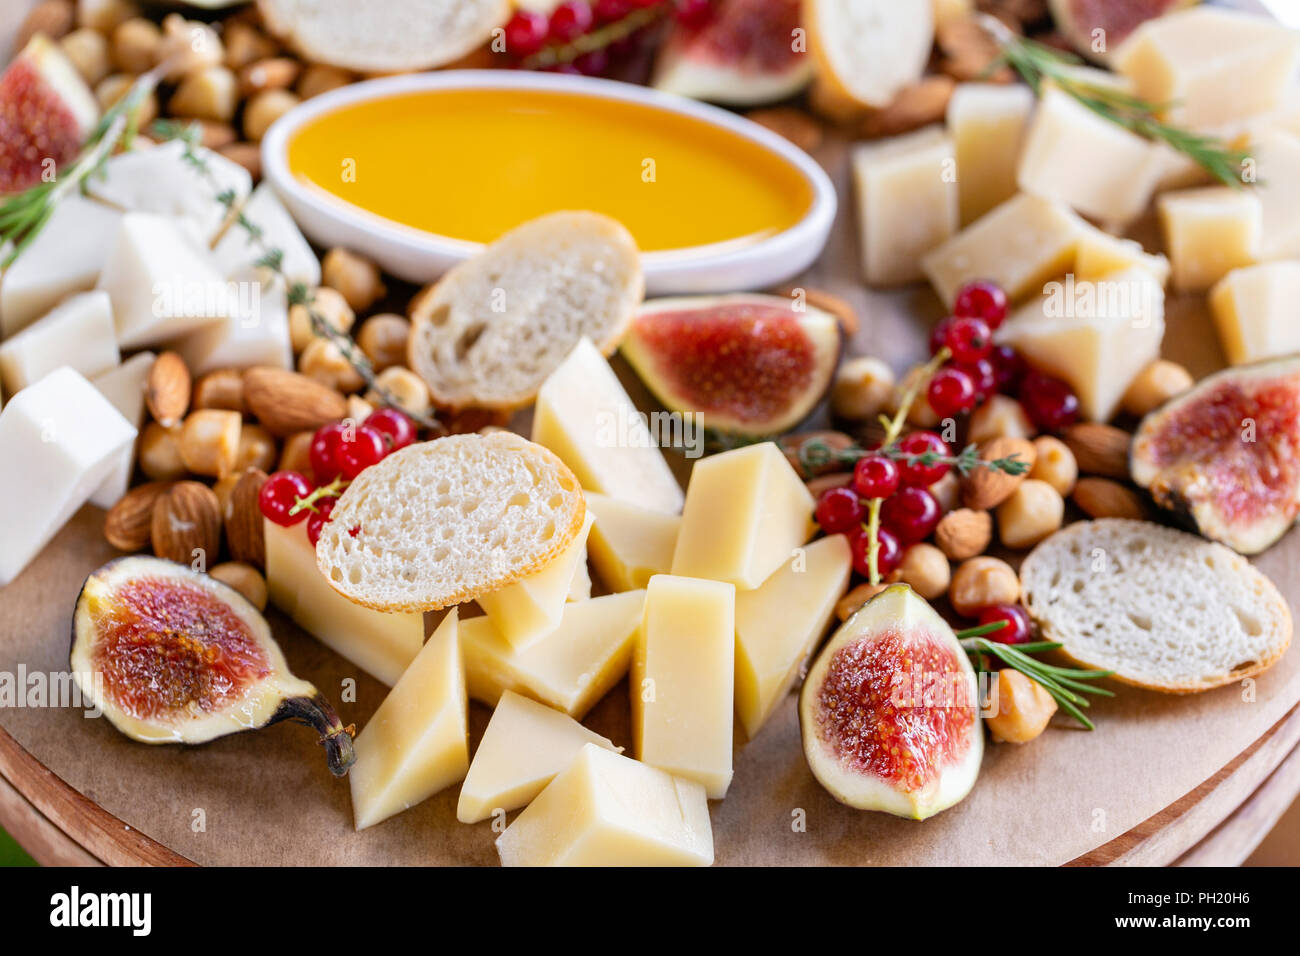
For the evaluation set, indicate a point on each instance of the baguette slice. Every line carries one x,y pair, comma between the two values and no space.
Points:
867,50
445,521
381,36
493,328
1163,609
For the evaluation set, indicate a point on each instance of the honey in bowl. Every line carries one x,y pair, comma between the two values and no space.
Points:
471,164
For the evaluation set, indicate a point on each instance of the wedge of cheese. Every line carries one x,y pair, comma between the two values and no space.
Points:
417,742
256,334
779,624
124,387
79,334
569,669
1099,254
630,544
1277,158
1208,233
584,416
524,746
987,123
609,810
59,440
1255,311
907,202
236,253
1096,335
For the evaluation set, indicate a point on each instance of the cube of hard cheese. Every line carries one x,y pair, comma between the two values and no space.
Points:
65,257
987,122
124,387
380,644
236,252
1099,254
417,742
682,683
584,416
531,608
1096,335
1277,170
524,746
907,202
779,625
1212,66
629,544
610,810
257,334
1019,245
746,511
79,334
161,284
569,669
1255,311
1208,233
59,440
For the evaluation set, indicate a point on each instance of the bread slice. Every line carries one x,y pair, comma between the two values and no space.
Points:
381,36
493,328
445,521
1163,609
865,51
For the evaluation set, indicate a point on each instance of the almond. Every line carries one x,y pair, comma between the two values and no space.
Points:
167,390
915,105
221,388
1103,498
805,450
964,533
244,534
127,525
186,524
1099,449
986,488
286,402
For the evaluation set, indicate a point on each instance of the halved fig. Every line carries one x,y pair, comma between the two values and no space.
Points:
890,710
1225,454
747,364
171,655
1079,20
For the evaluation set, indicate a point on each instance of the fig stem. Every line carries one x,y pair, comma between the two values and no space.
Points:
316,712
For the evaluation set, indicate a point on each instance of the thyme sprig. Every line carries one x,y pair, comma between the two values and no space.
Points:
1038,63
816,453
1066,685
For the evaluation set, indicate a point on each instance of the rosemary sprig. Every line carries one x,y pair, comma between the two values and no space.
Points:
1067,685
1036,62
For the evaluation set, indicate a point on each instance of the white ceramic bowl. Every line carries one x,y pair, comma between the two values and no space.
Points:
419,256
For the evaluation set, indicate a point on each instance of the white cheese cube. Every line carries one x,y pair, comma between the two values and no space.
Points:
236,252
1255,311
987,122
1208,233
258,334
123,386
79,334
59,440
1277,168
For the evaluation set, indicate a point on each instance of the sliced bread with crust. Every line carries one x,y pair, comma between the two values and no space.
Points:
445,521
383,36
493,328
865,51
1163,609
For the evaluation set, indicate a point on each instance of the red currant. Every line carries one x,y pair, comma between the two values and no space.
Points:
693,13
838,510
1049,402
324,506
982,375
607,11
1018,629
920,475
982,299
939,334
1008,368
570,20
875,476
526,32
398,429
280,493
364,448
968,339
950,392
324,451
888,555
911,514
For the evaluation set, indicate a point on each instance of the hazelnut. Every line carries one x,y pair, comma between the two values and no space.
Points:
1054,464
1155,385
947,491
245,44
1032,512
206,94
999,417
220,388
358,408
248,155
925,570
87,50
135,45
245,579
188,46
848,605
325,362
1024,708
407,389
383,338
224,487
320,78
159,453
862,389
105,15
209,441
982,582
330,305
354,276
264,109
921,414
256,449
54,18
964,533
296,454
272,73
115,86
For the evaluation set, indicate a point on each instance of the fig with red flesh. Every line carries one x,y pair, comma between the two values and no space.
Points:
171,655
743,55
747,364
1077,20
890,710
1225,454
46,113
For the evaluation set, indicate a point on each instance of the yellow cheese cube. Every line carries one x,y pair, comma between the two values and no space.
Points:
1212,66
1277,170
746,511
609,810
380,644
907,202
569,669
417,743
779,625
1019,245
580,586
1096,335
987,122
683,680
1208,233
1099,254
584,416
524,746
530,608
629,544
1255,311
